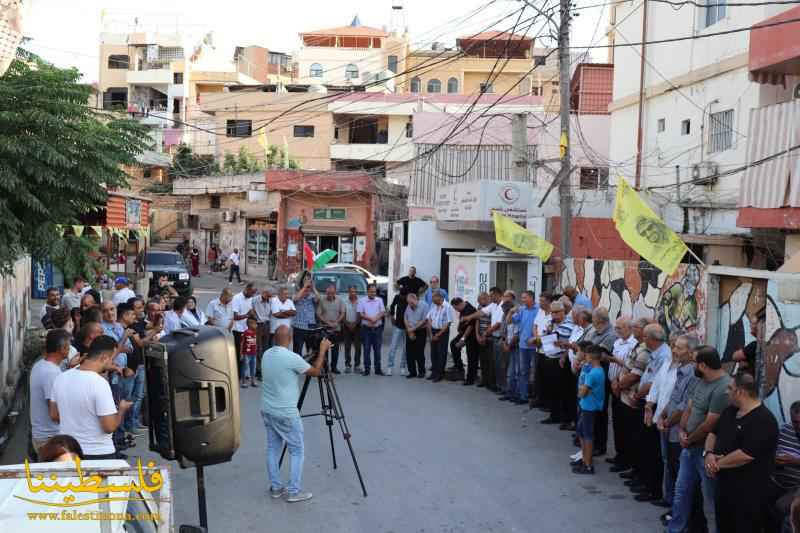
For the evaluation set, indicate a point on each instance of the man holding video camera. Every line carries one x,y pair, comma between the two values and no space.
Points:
280,392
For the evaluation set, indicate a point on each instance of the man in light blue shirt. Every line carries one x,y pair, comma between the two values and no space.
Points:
280,392
578,298
524,318
433,287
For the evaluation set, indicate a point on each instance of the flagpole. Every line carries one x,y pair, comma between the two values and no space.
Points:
695,256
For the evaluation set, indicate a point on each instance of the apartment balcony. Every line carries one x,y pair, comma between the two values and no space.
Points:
160,77
399,152
770,188
774,49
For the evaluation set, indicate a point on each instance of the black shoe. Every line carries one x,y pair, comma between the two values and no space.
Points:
583,469
334,371
365,373
519,401
639,489
619,468
548,421
481,385
429,377
379,372
646,497
628,475
505,398
612,460
436,380
564,426
410,376
537,404
469,383
633,483
598,453
662,503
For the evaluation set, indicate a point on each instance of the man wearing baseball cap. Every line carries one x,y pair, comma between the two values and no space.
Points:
123,293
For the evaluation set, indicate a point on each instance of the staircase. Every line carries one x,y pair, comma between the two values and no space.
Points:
169,244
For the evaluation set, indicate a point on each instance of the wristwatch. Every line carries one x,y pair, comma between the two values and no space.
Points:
706,452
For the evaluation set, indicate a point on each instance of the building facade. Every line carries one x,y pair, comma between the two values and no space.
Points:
695,115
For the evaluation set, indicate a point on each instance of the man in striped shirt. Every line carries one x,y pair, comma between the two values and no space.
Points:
439,317
553,362
785,480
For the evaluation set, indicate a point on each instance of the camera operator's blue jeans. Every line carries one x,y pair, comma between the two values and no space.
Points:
280,430
398,344
692,470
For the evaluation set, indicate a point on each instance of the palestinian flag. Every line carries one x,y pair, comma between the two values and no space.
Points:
318,261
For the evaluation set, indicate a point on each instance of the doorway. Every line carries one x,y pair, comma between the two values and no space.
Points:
444,266
329,242
512,275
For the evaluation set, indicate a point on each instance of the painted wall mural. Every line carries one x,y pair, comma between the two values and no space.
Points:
780,361
638,289
15,300
741,302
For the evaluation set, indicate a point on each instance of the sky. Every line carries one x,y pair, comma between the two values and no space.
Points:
66,33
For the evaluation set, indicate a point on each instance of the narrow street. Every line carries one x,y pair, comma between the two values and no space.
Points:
435,458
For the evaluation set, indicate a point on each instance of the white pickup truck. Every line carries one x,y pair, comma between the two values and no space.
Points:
108,496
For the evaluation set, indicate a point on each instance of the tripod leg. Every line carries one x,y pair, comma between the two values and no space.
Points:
326,412
299,407
339,415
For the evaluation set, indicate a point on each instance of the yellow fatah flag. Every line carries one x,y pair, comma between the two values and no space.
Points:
262,140
645,232
519,240
563,145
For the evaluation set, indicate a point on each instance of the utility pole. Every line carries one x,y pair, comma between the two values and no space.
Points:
564,182
519,147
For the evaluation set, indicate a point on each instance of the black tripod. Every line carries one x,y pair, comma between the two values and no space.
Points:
331,410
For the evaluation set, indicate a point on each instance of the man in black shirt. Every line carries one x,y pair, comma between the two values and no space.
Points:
411,283
746,357
466,338
397,310
739,453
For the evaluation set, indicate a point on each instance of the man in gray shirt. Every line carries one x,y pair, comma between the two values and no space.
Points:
43,374
416,321
330,314
707,400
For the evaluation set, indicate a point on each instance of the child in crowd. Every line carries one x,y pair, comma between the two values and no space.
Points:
249,351
591,392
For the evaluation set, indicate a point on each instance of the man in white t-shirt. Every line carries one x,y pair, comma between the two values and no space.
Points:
43,375
242,305
282,311
83,404
123,293
233,269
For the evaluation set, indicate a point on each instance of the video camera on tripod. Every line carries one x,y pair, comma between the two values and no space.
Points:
314,340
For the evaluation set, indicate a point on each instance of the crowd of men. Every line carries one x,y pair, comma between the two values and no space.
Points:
687,435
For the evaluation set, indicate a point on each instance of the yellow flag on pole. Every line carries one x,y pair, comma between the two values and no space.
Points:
645,232
519,240
262,140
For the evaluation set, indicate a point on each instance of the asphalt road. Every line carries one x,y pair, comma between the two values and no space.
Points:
435,458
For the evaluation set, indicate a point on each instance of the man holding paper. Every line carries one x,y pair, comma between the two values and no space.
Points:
554,347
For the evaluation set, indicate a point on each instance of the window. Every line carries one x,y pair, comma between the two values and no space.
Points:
177,78
686,127
409,129
118,61
434,86
330,213
720,132
115,98
239,128
415,85
594,178
713,14
452,85
147,172
539,61
393,64
351,72
215,202
536,91
315,71
661,125
487,88
304,131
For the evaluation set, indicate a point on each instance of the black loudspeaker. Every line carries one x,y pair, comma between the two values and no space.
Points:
193,396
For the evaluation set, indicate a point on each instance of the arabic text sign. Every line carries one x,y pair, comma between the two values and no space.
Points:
477,200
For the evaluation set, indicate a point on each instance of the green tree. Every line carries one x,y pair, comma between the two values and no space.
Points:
186,164
57,156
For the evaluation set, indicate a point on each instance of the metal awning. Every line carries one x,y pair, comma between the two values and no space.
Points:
775,48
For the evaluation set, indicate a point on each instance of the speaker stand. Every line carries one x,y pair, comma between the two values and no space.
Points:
201,497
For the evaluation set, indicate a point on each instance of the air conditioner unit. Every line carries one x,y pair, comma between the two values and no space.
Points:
229,216
705,173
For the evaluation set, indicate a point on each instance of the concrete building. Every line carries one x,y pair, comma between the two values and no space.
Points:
329,210
769,203
697,100
263,65
468,67
350,55
233,212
